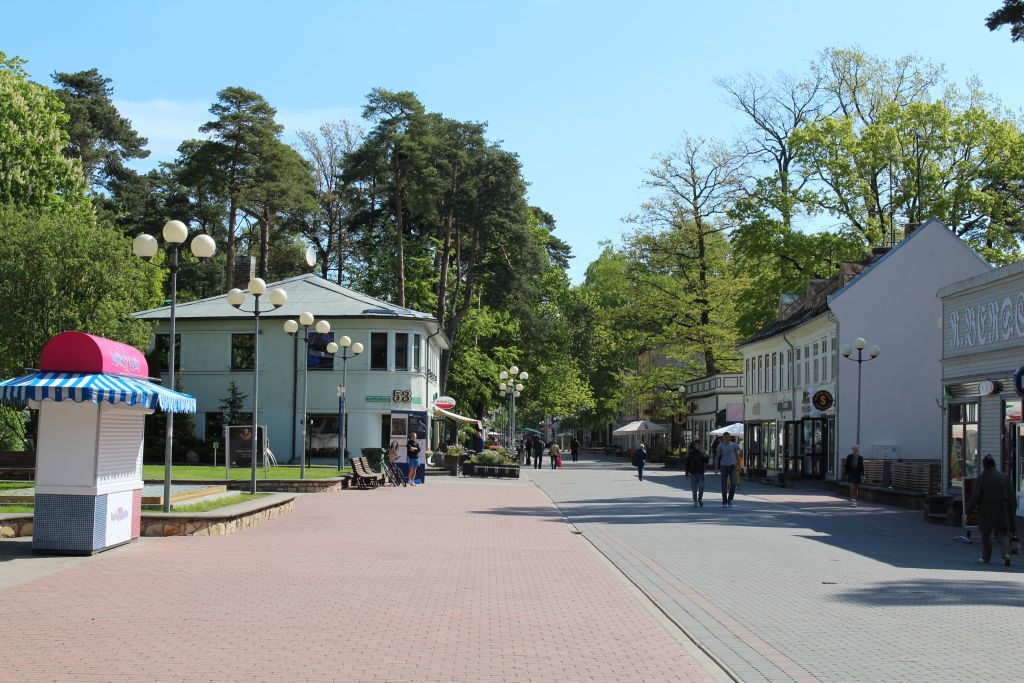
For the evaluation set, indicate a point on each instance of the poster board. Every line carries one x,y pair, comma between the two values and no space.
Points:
239,440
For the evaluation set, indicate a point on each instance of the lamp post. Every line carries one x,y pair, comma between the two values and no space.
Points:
873,352
236,297
306,320
510,383
145,247
345,343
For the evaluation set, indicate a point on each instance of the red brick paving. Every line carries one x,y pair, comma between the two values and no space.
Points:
453,581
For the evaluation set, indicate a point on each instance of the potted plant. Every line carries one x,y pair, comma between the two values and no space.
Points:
451,458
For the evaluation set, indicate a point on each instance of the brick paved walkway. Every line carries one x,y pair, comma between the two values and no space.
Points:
795,585
504,592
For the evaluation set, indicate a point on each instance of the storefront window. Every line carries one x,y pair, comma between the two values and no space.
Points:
318,358
1011,417
963,443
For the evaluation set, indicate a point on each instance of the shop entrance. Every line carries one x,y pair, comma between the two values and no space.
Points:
1017,457
793,448
815,447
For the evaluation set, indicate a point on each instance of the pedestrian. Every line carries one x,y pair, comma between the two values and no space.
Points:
714,449
538,452
854,473
696,463
478,442
994,500
725,460
555,452
574,448
641,460
528,447
412,448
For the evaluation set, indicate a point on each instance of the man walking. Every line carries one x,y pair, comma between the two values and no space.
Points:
538,452
574,448
696,463
855,473
725,459
412,449
994,500
641,460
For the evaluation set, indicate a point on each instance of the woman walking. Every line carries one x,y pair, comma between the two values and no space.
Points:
554,451
641,460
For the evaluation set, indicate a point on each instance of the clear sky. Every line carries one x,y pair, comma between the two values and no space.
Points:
584,91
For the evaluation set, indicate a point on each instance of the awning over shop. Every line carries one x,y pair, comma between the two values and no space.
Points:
459,418
81,387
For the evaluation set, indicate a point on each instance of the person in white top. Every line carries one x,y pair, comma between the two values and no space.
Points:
725,459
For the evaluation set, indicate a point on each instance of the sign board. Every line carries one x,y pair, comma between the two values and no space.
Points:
239,438
444,402
822,400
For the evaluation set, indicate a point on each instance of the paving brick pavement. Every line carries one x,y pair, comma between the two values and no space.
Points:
454,581
794,584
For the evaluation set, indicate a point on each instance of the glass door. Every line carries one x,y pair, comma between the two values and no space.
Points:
791,458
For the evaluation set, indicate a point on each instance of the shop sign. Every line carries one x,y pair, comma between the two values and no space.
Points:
397,396
444,402
988,323
822,400
988,387
378,399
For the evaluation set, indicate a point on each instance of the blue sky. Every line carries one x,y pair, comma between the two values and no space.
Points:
584,92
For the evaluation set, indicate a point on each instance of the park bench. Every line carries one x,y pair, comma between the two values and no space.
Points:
363,476
17,465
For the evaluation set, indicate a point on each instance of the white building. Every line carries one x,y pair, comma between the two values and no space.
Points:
890,302
397,374
711,402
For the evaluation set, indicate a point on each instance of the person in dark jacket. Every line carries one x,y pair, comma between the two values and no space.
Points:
528,448
696,463
854,473
994,500
538,452
641,460
574,448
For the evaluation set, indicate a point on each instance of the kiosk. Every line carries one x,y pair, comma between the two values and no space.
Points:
92,396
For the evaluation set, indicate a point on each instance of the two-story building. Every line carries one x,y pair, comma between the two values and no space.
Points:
395,378
712,402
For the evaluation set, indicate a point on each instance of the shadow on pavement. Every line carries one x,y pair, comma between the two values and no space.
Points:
935,592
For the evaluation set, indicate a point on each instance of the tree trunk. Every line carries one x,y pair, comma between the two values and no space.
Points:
264,222
442,285
229,250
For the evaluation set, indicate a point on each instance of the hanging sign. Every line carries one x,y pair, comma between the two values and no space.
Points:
444,402
1018,381
988,387
822,400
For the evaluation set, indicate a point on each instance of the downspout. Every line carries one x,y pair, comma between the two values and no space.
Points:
792,393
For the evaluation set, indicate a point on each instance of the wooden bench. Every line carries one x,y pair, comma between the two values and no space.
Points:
363,476
18,465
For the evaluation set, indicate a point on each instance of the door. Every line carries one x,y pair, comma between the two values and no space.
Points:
814,446
792,447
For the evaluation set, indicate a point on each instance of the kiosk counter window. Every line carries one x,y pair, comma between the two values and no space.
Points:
963,443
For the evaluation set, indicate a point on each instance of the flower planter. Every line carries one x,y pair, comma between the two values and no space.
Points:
671,462
473,470
451,463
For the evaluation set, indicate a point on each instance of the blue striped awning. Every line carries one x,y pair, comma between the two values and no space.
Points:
95,388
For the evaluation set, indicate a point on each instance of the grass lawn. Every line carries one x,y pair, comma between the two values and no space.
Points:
206,472
16,508
15,485
213,504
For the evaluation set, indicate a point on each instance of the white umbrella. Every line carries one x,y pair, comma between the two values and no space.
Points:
639,427
736,429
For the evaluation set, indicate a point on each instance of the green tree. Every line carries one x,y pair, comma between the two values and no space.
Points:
230,407
33,170
1010,14
98,135
60,270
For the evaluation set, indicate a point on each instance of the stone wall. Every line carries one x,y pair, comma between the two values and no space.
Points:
215,523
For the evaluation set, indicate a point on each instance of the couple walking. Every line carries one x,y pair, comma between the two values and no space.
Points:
535,446
726,454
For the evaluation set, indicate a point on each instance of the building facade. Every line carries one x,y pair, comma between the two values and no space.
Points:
982,370
712,402
391,385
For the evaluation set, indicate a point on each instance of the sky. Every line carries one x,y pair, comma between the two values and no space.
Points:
585,92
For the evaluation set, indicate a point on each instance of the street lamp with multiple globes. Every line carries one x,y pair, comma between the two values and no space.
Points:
278,298
345,343
306,321
510,384
145,247
873,352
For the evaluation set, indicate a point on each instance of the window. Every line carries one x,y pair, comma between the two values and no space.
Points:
782,370
815,370
401,351
158,356
416,353
747,371
317,357
797,368
963,443
760,373
379,351
243,351
774,375
835,360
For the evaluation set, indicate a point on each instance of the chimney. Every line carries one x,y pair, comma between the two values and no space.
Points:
244,270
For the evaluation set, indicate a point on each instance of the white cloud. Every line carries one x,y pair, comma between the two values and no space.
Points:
167,123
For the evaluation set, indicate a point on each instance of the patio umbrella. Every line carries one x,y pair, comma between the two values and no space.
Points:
639,427
527,430
736,429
